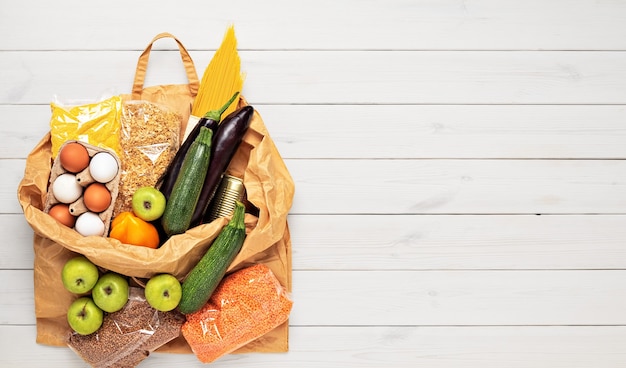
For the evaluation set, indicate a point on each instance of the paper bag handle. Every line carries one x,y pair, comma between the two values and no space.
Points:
142,65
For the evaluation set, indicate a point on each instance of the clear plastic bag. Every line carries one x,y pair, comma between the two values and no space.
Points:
150,137
128,336
96,123
246,305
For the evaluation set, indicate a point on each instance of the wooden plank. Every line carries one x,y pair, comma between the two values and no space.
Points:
458,186
365,347
423,138
454,298
434,186
404,131
406,242
419,298
337,77
458,242
33,122
17,237
447,131
324,24
13,173
18,305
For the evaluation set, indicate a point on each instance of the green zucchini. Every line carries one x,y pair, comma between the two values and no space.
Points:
184,197
210,270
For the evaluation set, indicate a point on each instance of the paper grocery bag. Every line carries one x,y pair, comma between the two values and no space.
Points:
269,187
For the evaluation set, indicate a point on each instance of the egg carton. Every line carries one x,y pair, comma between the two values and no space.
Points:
84,179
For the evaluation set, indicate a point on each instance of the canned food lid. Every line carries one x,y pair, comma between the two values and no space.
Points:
233,183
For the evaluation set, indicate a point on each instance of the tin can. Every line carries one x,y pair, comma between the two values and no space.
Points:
229,191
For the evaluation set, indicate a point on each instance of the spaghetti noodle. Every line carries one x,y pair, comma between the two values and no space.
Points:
221,79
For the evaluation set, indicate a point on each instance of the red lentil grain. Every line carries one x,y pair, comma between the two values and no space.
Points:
246,305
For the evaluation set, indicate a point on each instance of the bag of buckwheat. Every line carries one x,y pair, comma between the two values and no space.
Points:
129,335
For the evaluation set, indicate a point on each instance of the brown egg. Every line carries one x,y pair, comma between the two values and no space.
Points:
74,157
97,197
61,213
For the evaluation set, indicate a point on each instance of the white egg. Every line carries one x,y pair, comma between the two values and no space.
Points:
103,167
89,224
66,189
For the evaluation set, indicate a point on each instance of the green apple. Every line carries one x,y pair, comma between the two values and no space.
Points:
110,292
79,275
148,203
84,316
163,292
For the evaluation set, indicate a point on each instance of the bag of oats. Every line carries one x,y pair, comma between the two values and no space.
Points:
149,139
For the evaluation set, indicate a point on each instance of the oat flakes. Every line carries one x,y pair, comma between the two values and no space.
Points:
149,141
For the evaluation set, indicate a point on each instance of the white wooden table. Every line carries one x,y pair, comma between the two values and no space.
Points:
459,165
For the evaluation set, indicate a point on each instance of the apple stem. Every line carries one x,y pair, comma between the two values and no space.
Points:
147,205
83,311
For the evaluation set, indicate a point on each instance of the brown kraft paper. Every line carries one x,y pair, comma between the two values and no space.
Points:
269,187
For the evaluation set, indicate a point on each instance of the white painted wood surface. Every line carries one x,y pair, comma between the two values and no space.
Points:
460,167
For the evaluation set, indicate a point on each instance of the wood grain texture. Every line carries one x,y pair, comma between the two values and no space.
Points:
458,242
337,77
424,138
324,24
458,186
434,186
420,298
404,131
422,242
358,347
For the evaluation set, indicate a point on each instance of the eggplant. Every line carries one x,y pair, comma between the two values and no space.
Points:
226,140
210,120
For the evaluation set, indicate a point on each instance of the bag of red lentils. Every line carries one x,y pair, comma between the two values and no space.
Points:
246,305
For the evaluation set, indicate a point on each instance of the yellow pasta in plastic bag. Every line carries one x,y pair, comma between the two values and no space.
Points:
96,123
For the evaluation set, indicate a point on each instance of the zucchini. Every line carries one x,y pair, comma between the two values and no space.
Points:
184,197
210,270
